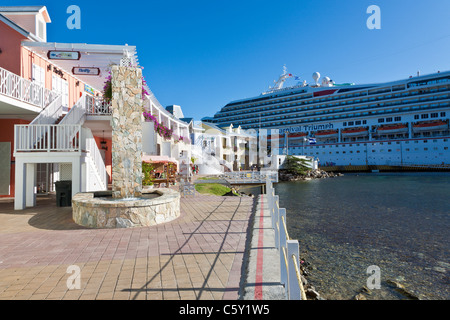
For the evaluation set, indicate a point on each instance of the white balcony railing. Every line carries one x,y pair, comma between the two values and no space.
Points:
97,106
47,138
24,90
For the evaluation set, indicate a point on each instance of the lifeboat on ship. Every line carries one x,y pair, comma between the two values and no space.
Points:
297,135
392,128
354,132
437,125
280,137
326,134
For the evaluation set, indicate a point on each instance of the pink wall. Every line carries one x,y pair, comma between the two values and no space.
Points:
7,135
10,45
29,58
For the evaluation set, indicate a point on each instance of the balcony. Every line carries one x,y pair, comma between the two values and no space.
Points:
22,96
97,106
47,138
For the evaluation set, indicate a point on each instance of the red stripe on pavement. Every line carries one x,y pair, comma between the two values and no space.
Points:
259,257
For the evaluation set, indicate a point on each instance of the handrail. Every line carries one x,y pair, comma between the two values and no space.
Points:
51,113
299,277
95,155
22,89
290,275
77,113
285,228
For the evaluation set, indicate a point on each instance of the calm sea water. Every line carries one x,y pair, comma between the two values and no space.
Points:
399,222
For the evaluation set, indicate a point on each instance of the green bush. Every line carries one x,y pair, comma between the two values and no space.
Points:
147,169
295,165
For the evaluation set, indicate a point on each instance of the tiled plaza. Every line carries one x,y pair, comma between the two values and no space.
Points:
197,256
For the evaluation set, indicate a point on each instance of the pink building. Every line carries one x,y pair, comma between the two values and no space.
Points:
54,123
36,89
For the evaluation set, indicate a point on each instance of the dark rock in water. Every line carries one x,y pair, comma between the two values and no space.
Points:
304,281
401,289
359,296
365,290
311,293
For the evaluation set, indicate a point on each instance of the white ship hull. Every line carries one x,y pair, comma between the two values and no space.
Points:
392,123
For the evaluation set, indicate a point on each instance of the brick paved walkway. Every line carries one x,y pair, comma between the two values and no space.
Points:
197,256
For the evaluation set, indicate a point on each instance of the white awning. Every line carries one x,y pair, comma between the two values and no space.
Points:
92,56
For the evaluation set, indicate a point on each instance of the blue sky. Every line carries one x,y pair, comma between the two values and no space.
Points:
203,54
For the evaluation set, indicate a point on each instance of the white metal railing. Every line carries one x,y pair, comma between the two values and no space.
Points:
51,113
251,176
91,147
16,87
76,114
288,248
47,137
97,106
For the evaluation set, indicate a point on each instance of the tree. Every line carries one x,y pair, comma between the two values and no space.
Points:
296,165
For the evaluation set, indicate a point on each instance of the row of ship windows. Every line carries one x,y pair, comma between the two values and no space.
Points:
381,150
431,115
362,107
377,143
355,123
269,122
364,93
416,117
328,98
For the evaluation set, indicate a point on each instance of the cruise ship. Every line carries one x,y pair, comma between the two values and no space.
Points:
398,123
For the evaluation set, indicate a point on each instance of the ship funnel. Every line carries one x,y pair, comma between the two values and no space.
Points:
316,77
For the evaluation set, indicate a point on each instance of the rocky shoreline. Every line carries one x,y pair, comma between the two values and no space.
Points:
310,175
310,291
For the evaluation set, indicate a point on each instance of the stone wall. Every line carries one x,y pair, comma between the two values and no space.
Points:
94,210
126,132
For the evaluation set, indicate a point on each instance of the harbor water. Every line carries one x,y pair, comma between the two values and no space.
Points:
398,223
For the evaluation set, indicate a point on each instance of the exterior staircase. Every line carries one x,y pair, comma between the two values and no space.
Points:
52,134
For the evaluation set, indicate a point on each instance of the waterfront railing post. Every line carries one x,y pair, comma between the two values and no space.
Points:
283,248
274,210
280,227
292,256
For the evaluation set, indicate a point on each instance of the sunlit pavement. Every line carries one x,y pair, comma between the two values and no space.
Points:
45,255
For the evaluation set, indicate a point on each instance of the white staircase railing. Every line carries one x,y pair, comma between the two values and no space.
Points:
91,147
47,137
16,87
51,113
76,114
